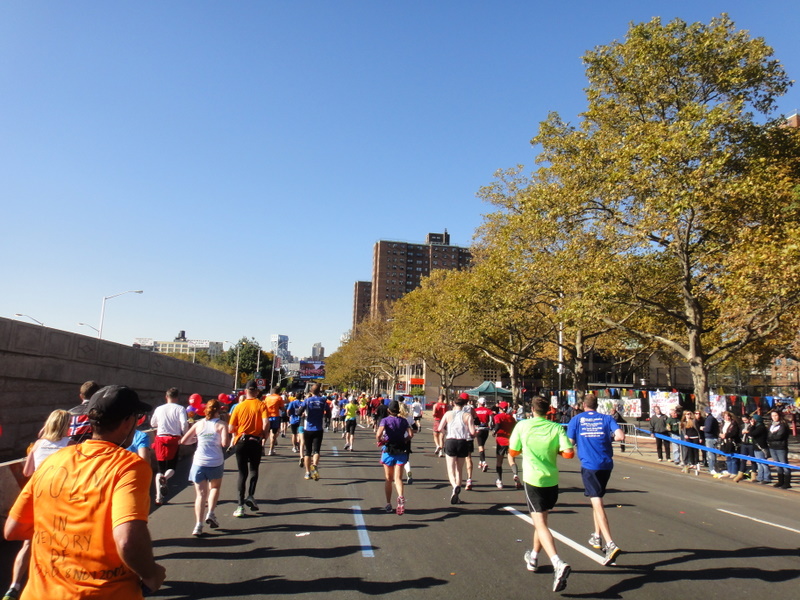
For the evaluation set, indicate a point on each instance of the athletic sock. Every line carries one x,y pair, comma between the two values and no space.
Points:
499,472
555,560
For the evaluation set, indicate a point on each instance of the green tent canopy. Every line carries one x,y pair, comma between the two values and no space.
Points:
488,389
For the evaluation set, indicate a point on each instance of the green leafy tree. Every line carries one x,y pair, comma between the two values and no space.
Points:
681,177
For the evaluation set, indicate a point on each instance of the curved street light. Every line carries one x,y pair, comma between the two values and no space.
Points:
30,317
103,308
92,326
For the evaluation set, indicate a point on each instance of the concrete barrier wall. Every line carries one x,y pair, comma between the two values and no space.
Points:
42,369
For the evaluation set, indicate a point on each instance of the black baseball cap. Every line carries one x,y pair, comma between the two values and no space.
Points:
117,402
251,385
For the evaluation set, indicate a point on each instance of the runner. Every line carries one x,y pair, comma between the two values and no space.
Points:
540,441
294,421
314,410
170,422
458,430
439,409
484,421
393,436
274,405
208,464
350,422
470,409
406,414
248,425
593,433
504,424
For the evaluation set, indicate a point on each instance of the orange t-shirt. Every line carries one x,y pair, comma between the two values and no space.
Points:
75,500
248,419
274,404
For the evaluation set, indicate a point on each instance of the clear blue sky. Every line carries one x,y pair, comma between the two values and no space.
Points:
238,160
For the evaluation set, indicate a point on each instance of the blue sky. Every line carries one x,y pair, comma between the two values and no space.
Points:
238,160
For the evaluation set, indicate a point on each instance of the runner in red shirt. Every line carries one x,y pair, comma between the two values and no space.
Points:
483,422
503,426
439,409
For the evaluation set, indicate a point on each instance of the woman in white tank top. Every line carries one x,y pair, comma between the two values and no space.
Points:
459,427
208,464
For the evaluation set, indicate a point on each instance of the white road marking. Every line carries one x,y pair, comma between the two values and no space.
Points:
562,538
335,450
759,520
363,536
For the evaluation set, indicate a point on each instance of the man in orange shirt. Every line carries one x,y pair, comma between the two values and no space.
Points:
247,426
274,404
85,511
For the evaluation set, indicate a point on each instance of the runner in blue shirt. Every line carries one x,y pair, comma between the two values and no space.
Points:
592,433
314,409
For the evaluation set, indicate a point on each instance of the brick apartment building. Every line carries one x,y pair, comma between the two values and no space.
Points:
398,268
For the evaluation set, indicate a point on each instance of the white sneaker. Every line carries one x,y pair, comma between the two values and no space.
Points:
560,574
169,473
198,530
239,512
211,520
499,484
531,565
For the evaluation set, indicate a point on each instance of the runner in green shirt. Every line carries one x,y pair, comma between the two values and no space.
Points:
540,441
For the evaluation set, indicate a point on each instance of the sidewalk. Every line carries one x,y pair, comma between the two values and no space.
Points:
642,447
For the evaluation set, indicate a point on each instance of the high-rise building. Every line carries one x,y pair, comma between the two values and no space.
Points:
362,298
317,352
398,268
280,347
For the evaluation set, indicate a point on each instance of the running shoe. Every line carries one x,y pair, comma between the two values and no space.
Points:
300,463
454,496
168,474
485,467
294,449
271,453
307,475
198,530
401,505
517,482
595,541
499,484
531,565
283,434
409,478
239,512
251,503
12,594
388,508
560,574
611,551
347,447
211,520
469,485
314,473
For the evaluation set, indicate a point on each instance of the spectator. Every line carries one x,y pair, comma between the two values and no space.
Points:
730,438
658,425
778,442
758,432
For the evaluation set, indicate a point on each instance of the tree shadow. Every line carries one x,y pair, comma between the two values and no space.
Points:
665,572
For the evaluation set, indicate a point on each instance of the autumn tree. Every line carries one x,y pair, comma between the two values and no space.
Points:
424,329
682,176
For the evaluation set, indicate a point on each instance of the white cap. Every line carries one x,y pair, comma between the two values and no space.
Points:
481,401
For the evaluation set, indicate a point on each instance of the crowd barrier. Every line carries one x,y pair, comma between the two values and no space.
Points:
704,448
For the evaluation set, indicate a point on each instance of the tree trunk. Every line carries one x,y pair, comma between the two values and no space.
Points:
700,379
579,364
516,383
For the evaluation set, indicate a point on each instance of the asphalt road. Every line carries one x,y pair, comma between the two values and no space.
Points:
682,536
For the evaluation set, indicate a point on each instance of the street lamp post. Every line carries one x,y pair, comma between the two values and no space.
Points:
29,317
103,309
91,326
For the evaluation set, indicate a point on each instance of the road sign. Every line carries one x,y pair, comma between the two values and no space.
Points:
261,383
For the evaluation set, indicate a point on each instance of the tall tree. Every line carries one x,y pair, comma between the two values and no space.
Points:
424,329
680,172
